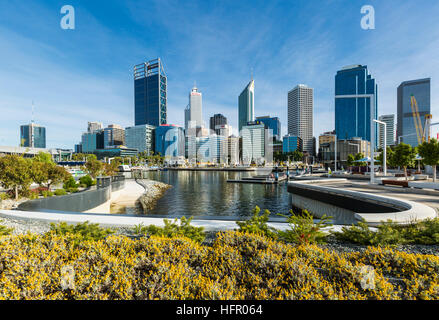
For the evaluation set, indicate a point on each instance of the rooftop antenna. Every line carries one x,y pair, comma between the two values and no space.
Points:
32,120
251,72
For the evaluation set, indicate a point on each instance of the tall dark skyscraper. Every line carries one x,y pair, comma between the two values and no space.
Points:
420,90
352,115
150,93
217,120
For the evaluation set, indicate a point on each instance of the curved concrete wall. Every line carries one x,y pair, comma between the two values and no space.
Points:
76,202
340,203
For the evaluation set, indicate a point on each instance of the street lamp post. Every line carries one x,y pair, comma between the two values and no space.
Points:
385,147
372,127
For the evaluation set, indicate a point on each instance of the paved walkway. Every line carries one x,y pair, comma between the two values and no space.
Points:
429,200
120,220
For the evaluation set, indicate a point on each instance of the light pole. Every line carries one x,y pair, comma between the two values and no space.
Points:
372,126
385,147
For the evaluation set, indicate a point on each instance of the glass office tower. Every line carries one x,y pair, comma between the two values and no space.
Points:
246,104
420,89
150,93
352,115
32,136
272,123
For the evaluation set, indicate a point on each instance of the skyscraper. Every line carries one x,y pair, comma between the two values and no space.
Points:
33,136
420,90
195,114
300,115
246,104
272,123
352,115
389,120
217,120
150,93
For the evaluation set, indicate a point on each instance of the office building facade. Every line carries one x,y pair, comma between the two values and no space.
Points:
273,124
150,93
406,128
246,105
291,143
256,143
217,120
352,115
94,126
389,120
140,138
114,135
33,136
89,142
195,109
300,115
170,141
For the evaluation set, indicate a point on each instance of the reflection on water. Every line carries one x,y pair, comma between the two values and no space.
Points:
201,193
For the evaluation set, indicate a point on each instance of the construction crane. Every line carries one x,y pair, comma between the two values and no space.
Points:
417,119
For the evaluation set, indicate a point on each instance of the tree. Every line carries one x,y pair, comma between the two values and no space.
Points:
429,151
39,172
404,156
43,157
350,161
389,155
360,156
94,167
15,173
56,174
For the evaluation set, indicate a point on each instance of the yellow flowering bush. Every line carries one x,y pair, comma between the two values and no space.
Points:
237,266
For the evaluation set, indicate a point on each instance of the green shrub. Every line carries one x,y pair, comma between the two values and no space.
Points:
5,231
172,229
84,231
73,190
304,230
60,192
70,183
389,233
3,196
33,195
46,193
257,224
86,180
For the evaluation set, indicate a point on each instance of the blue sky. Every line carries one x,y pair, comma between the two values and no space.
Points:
81,75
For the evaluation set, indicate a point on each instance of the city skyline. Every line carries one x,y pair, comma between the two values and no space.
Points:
94,82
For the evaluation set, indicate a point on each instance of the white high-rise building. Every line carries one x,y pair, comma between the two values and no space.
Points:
194,113
300,115
94,126
255,144
389,120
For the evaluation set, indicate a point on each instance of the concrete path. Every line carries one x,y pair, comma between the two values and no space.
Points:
119,220
127,197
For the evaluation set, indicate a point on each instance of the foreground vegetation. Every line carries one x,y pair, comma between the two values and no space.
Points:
86,261
237,266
